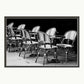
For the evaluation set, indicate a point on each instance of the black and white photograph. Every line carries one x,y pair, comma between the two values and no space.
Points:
41,41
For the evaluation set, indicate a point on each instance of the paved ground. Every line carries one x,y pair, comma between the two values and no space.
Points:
13,59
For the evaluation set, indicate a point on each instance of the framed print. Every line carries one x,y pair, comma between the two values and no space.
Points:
41,41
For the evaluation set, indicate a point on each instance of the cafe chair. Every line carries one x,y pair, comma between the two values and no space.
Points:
18,36
27,43
10,31
45,45
11,36
23,33
68,42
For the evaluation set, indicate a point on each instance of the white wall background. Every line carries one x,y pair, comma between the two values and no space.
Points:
41,8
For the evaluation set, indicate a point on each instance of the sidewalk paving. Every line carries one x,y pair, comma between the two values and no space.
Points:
13,59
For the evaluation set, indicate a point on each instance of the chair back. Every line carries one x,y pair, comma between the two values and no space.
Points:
10,28
22,26
51,31
10,25
23,33
47,38
27,35
70,35
41,36
48,32
36,29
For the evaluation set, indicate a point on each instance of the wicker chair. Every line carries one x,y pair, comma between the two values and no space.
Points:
46,45
27,43
11,36
68,41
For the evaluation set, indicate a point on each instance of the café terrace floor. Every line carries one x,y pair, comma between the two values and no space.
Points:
13,59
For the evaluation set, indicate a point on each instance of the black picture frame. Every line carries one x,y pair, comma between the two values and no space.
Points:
41,17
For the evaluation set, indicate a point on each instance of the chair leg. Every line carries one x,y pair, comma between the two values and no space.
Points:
44,61
66,56
9,47
37,57
67,49
55,55
20,53
24,55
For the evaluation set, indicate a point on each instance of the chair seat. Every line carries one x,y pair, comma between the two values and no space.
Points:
29,42
34,33
52,37
34,42
64,45
48,46
18,38
32,37
17,35
12,38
